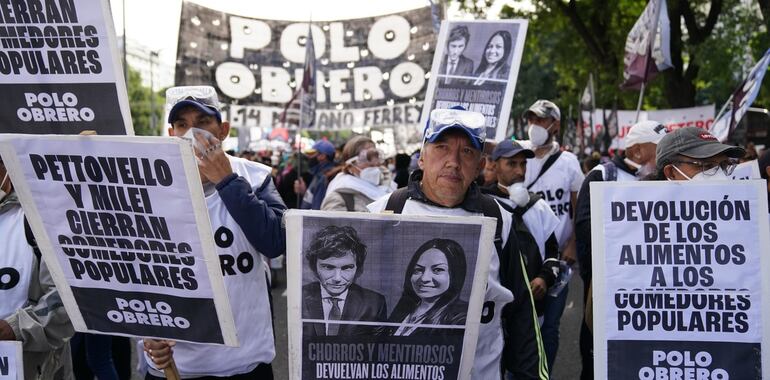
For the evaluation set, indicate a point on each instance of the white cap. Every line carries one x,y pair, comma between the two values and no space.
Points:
647,131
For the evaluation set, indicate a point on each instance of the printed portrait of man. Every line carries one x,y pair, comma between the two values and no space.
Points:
336,257
454,62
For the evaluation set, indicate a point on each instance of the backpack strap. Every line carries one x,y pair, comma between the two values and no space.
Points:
31,239
350,202
397,200
610,171
547,165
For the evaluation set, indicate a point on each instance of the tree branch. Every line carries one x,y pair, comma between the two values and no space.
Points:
570,10
699,34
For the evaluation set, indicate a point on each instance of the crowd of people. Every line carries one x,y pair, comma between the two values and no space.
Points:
538,193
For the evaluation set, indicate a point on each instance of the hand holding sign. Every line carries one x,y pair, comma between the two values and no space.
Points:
6,332
160,351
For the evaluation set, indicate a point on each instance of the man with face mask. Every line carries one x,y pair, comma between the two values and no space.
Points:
321,162
245,212
694,154
361,180
31,310
637,162
555,176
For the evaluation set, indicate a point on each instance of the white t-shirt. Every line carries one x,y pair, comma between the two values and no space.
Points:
16,262
556,186
489,349
247,288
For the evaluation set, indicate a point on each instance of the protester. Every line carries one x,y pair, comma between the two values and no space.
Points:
360,180
434,279
444,186
635,163
764,171
401,174
488,176
321,162
536,222
243,203
98,355
556,176
494,62
31,310
692,153
336,257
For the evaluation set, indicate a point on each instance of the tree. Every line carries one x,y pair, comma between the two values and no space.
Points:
140,100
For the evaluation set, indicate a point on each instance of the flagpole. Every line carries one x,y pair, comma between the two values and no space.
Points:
639,104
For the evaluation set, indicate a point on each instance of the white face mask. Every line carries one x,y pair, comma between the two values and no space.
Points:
642,171
518,193
718,176
538,135
371,174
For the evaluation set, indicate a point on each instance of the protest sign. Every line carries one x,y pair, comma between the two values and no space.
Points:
11,367
371,72
122,225
680,285
747,170
476,65
408,293
59,72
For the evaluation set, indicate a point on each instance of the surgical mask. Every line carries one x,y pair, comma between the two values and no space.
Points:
642,171
518,194
718,176
391,167
538,135
371,174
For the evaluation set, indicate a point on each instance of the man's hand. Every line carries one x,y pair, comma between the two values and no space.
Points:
538,288
299,186
212,161
160,351
6,332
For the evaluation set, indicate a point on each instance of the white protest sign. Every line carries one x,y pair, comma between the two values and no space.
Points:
59,69
680,286
747,170
123,226
476,65
11,366
388,265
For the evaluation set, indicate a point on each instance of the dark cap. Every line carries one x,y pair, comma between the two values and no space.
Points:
692,142
322,147
543,108
510,148
203,98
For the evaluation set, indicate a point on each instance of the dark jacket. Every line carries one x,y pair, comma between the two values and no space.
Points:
453,314
360,305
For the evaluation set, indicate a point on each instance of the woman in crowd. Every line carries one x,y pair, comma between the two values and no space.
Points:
432,286
360,181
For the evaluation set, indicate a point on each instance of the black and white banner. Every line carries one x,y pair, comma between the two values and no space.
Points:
680,286
11,366
476,66
371,72
123,227
59,69
385,296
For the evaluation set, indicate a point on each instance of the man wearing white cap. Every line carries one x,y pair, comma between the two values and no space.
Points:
637,162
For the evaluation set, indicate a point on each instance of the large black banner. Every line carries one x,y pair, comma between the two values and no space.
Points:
371,72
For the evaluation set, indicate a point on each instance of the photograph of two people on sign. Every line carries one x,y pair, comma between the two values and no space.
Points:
377,277
477,54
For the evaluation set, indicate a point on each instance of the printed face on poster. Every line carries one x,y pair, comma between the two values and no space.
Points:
679,284
123,227
59,70
476,65
385,296
11,365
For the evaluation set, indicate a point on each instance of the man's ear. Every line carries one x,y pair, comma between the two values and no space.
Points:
482,164
171,131
225,126
669,171
420,162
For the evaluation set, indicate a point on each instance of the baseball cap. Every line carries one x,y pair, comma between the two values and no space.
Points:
510,148
692,142
648,131
204,98
442,120
543,108
322,147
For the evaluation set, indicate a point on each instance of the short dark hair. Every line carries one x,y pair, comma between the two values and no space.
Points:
764,161
458,32
336,241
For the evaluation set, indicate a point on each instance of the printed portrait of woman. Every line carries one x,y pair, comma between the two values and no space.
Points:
432,286
494,61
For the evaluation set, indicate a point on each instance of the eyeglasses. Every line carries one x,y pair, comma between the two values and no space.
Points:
367,156
444,118
711,168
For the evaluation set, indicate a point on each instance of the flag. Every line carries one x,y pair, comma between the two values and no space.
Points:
300,110
587,101
740,101
649,38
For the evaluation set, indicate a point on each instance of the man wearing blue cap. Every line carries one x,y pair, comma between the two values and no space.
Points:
321,161
245,212
444,185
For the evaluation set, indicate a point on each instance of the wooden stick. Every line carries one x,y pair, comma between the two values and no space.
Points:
171,372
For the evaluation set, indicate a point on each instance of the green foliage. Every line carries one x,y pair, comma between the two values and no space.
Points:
140,100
